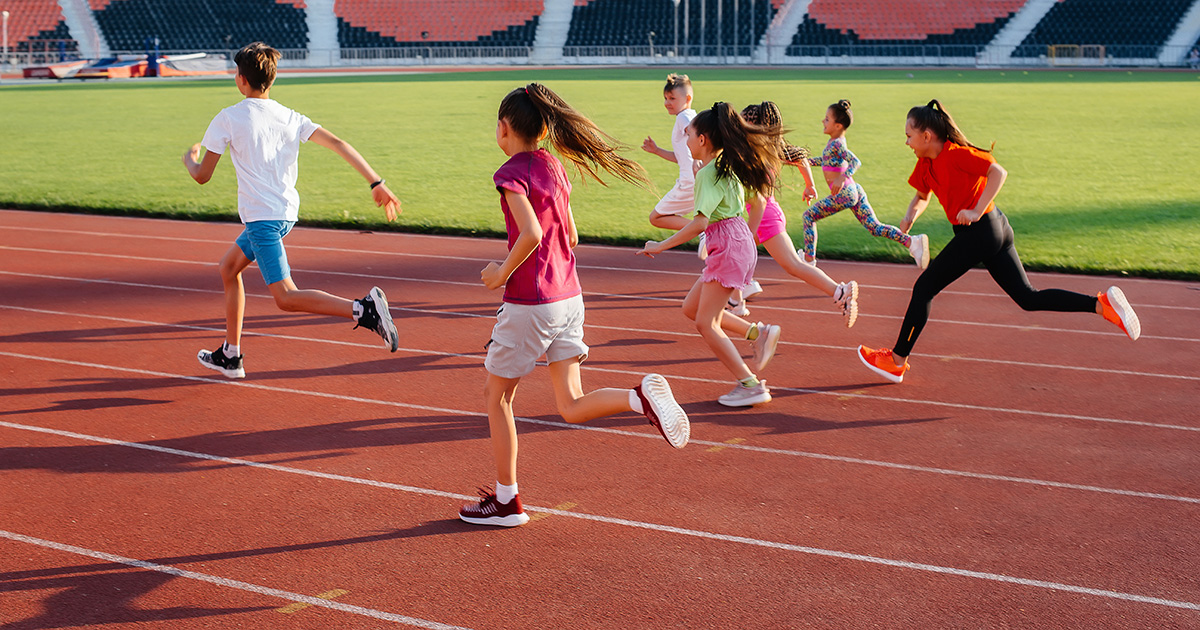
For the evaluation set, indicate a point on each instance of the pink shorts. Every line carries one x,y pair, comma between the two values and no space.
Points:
732,253
773,222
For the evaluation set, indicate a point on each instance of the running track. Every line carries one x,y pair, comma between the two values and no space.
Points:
1036,470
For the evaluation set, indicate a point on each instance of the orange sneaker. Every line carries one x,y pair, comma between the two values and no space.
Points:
881,362
1116,309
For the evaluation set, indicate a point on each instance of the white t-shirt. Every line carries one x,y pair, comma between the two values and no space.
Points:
679,145
264,143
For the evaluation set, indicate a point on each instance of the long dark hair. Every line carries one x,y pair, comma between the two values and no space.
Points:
766,114
532,109
749,152
933,117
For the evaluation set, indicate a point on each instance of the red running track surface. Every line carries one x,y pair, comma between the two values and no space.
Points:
1035,470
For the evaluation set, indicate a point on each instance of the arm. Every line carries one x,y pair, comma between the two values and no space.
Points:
915,207
852,161
383,196
649,146
572,232
529,237
685,234
995,179
810,189
201,171
755,213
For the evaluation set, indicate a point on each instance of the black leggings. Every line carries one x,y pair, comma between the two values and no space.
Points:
988,241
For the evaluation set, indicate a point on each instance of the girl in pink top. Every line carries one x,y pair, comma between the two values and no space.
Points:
543,303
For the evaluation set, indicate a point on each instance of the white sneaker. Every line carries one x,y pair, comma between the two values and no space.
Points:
659,406
919,248
737,308
764,345
751,290
845,296
743,396
702,249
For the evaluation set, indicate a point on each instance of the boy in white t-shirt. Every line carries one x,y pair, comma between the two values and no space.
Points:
263,138
672,209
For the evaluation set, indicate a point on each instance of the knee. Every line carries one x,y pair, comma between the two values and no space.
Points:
285,302
689,311
229,270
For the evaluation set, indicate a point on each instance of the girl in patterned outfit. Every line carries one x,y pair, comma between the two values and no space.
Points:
839,165
734,154
771,229
543,302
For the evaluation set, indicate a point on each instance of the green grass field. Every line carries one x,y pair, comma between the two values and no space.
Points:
1102,165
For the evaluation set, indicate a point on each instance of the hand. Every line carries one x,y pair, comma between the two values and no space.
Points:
809,194
491,276
649,146
192,154
836,185
384,198
967,217
651,248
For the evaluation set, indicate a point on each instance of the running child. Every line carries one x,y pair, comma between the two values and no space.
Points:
839,166
264,138
671,211
771,230
734,154
966,180
543,302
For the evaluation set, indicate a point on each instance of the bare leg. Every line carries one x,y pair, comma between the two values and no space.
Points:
499,393
290,298
781,249
730,323
672,222
232,265
573,405
705,304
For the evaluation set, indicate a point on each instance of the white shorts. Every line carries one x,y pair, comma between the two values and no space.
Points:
524,332
678,201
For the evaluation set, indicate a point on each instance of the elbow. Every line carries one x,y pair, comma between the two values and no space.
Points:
201,178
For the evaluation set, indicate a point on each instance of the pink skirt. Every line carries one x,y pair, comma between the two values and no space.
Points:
773,222
732,253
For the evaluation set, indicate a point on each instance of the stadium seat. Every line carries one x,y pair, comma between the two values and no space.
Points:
1126,28
436,23
227,24
37,25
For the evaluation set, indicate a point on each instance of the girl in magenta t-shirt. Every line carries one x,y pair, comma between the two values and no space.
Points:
543,303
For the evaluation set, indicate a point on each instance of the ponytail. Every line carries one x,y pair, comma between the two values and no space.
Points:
933,117
748,152
535,109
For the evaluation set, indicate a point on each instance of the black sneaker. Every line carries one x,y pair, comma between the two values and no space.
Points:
377,317
216,360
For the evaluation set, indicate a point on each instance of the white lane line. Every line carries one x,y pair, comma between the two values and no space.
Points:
478,357
847,349
653,436
638,270
228,583
822,312
744,540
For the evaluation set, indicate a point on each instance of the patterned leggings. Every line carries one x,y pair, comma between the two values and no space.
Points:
853,197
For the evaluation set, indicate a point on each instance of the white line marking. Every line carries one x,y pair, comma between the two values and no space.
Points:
653,436
823,312
602,268
228,583
744,540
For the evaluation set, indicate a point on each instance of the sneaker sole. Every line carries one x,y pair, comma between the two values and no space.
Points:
381,307
922,257
671,417
512,520
884,373
772,342
851,310
1129,319
238,373
747,402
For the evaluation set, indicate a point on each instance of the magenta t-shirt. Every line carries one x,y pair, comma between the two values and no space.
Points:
548,275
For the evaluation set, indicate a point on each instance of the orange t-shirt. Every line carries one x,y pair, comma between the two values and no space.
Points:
957,176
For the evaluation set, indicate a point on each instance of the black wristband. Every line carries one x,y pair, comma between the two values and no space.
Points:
374,184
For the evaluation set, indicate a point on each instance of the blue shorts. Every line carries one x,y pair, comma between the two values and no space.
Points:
262,242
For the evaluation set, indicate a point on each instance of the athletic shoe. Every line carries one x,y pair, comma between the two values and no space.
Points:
231,367
489,511
376,316
918,246
743,396
1116,309
702,248
738,308
764,345
658,403
846,297
751,290
881,362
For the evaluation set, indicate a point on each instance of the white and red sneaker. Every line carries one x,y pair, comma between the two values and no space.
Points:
660,407
489,511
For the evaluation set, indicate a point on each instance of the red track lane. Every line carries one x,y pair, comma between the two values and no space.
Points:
988,490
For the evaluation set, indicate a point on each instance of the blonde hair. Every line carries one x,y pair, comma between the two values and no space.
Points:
678,82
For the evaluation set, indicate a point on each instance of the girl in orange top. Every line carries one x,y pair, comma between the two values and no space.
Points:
966,180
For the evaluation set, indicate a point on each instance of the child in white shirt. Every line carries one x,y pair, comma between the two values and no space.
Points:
673,208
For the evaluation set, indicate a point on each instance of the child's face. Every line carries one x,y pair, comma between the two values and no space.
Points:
922,141
829,125
676,101
697,144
